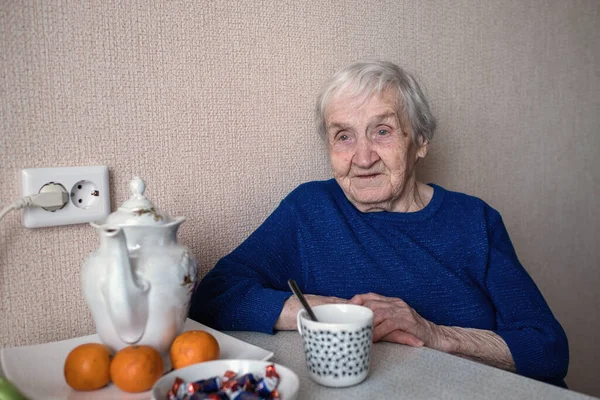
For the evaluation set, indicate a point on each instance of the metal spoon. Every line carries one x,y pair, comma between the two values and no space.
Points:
302,299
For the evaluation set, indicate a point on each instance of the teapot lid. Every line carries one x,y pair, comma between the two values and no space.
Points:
138,210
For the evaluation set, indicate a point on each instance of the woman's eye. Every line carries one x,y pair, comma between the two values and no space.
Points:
343,138
383,132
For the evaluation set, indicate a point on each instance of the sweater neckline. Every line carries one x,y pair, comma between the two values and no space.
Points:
426,212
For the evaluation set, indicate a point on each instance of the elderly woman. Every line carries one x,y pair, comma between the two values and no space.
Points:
437,267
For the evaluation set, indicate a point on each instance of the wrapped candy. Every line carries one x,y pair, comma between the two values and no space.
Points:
247,382
232,389
266,385
229,375
207,396
248,396
229,387
178,390
275,395
205,385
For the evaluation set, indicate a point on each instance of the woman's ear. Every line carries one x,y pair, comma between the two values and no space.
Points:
422,150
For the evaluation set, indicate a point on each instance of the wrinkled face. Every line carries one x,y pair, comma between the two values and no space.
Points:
372,157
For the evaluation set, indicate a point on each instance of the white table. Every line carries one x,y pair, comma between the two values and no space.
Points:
397,372
403,372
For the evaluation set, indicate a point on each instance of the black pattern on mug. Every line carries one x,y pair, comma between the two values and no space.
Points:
337,354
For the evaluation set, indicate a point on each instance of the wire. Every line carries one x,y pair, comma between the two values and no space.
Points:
44,200
6,210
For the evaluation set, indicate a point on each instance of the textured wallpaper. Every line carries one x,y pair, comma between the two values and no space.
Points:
211,103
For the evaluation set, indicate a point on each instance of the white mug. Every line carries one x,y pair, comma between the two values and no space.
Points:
338,347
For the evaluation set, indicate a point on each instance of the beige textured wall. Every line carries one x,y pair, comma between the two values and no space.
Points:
211,103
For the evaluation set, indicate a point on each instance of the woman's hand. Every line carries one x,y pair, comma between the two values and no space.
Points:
287,318
395,321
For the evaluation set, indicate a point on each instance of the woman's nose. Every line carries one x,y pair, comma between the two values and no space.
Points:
365,154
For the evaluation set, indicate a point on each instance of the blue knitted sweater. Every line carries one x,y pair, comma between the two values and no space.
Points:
452,261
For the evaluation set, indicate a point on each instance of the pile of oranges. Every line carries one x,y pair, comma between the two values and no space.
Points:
91,366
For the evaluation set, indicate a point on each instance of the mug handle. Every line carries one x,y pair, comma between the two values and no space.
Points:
298,321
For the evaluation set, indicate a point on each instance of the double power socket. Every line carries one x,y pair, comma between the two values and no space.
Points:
89,198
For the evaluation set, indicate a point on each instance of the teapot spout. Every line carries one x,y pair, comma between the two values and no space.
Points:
125,294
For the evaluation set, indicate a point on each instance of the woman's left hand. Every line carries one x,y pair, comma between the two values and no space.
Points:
395,321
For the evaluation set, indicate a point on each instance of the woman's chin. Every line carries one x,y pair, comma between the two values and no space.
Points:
370,201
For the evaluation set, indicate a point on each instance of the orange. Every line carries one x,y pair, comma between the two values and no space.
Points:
193,347
87,367
136,368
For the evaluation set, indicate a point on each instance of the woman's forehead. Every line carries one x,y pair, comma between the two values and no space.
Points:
343,103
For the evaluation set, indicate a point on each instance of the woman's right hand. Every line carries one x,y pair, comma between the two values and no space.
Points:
287,318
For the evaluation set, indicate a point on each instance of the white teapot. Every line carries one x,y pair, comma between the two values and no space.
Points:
138,283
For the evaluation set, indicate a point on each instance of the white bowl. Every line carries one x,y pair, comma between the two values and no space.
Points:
288,383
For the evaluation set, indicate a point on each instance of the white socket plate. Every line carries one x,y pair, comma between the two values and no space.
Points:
32,180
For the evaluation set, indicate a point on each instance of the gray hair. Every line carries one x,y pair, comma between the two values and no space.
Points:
365,78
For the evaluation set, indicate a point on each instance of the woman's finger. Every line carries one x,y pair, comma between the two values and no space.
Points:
402,337
381,311
371,296
383,329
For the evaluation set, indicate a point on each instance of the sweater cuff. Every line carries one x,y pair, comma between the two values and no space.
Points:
265,308
526,352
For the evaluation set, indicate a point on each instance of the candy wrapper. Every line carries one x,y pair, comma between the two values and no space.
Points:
230,386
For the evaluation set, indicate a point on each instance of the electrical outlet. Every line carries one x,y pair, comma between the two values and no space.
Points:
89,198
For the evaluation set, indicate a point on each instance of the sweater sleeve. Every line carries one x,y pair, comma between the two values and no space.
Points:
536,340
247,288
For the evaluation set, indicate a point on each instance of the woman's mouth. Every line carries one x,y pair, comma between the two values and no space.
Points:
366,176
367,180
